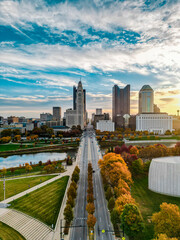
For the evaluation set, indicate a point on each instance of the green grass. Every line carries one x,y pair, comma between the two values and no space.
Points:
16,146
149,202
8,233
44,203
19,185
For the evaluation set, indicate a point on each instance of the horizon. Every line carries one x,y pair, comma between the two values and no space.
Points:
47,46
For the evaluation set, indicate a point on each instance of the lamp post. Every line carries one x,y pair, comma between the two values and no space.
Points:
4,187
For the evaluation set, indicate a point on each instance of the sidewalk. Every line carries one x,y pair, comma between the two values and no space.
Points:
67,173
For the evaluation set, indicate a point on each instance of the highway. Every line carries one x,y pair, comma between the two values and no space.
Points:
79,230
90,153
101,213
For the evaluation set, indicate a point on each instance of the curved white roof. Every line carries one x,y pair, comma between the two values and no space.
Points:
173,160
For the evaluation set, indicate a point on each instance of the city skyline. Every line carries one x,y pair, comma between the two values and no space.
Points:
47,47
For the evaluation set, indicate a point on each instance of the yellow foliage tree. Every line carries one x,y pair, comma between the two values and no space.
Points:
122,201
167,221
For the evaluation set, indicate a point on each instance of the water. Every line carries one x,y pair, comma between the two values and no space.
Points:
15,160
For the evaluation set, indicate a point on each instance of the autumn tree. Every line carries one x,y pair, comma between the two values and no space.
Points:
132,221
164,237
90,198
28,168
71,192
70,201
167,220
90,208
91,221
122,201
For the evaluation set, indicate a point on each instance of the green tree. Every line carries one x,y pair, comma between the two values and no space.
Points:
115,218
111,204
132,221
137,167
68,213
75,176
109,193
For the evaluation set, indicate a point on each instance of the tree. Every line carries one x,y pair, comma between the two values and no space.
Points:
132,220
90,208
72,192
68,213
109,193
122,201
90,198
75,176
28,168
137,167
134,150
48,168
4,171
111,204
115,218
167,220
164,237
70,201
91,221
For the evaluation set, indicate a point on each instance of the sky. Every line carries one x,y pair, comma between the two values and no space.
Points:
47,46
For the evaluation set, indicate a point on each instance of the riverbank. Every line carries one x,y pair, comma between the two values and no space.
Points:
52,148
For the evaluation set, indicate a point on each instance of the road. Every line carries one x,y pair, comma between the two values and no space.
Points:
79,230
90,153
101,213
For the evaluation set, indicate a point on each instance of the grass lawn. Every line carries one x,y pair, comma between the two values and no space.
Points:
44,203
8,233
149,202
16,146
19,185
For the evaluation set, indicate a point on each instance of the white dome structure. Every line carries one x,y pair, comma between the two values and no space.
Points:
164,176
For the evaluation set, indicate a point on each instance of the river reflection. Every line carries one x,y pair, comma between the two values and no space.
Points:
15,160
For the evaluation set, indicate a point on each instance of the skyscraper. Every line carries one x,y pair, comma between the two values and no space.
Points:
57,113
120,101
77,116
146,99
75,96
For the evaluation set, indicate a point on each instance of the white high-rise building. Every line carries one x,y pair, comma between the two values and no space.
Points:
78,115
146,100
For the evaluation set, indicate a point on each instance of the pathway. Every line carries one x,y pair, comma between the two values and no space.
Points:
30,228
67,173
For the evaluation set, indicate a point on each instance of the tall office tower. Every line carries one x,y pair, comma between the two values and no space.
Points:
120,101
57,113
98,111
146,99
75,96
80,105
77,115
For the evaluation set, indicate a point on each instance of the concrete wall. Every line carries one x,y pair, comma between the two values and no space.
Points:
164,176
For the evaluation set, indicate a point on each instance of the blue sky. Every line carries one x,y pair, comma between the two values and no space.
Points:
47,46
